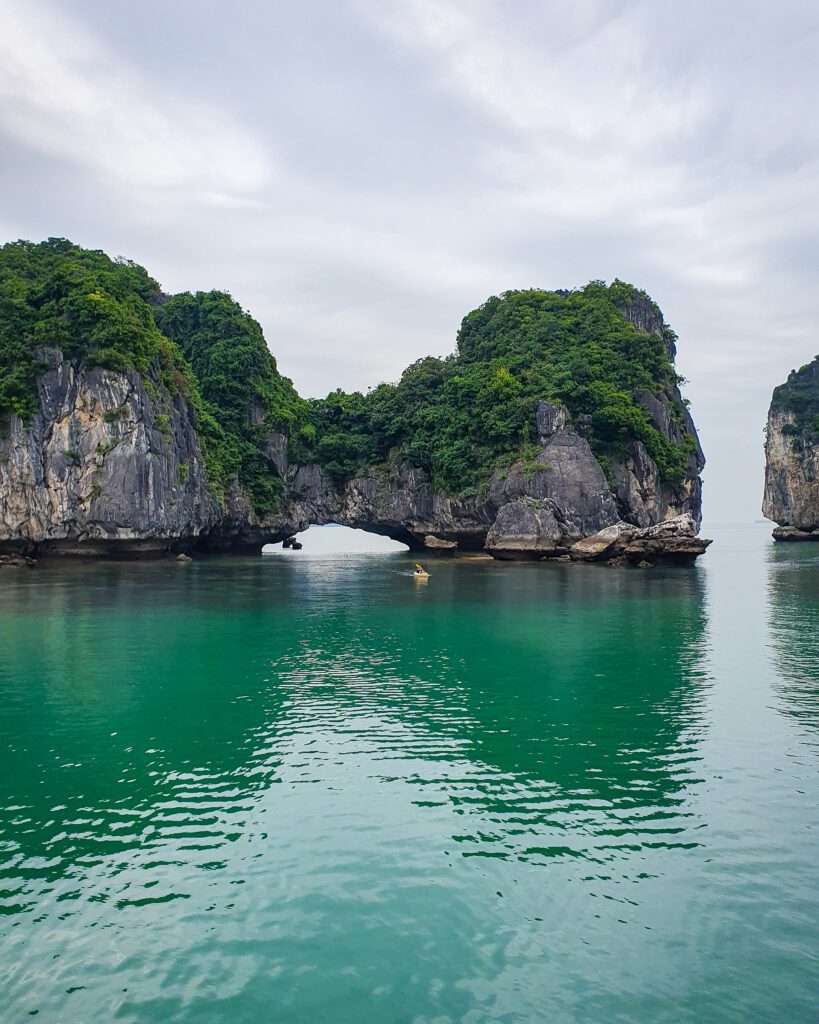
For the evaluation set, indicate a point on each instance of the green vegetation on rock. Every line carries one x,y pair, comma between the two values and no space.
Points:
110,313
240,384
461,417
799,395
56,295
458,419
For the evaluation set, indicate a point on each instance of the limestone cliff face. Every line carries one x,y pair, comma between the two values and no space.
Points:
111,464
100,465
792,457
643,498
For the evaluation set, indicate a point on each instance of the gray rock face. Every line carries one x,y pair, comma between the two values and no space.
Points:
101,464
602,544
572,477
646,317
112,464
433,543
643,499
528,528
534,529
791,477
276,450
673,541
792,533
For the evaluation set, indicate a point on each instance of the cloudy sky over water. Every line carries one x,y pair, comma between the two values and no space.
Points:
361,174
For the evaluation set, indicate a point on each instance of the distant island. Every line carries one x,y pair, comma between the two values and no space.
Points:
792,456
135,423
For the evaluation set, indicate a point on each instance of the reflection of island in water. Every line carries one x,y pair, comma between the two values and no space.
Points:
549,707
130,694
793,615
550,710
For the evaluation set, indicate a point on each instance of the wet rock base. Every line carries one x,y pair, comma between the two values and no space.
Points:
793,533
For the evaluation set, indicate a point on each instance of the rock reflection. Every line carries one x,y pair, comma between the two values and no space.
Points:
543,710
793,616
555,709
129,695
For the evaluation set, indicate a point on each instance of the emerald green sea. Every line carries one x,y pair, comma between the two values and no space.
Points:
305,788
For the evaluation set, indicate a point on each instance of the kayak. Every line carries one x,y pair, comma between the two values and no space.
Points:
421,575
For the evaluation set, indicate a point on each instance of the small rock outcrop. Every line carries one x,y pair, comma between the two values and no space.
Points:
672,541
433,543
533,529
603,544
792,457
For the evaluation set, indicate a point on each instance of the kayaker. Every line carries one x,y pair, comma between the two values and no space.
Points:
420,570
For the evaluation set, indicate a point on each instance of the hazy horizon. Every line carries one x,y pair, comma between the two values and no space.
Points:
361,176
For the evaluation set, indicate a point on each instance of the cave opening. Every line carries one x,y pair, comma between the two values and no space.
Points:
333,538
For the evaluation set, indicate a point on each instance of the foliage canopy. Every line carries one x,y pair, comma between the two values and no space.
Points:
458,418
463,416
239,381
56,295
800,395
110,313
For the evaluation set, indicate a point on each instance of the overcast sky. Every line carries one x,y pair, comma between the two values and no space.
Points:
361,174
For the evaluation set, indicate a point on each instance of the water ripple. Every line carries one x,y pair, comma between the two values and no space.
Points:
319,795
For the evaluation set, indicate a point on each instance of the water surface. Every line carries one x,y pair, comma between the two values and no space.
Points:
308,789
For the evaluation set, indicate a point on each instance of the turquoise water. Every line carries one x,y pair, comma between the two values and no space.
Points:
309,789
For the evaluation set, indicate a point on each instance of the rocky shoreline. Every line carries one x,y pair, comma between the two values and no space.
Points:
532,529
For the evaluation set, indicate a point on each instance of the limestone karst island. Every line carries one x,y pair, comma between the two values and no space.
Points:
138,423
792,456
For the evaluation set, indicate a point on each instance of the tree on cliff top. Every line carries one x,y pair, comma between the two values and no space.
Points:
239,380
57,295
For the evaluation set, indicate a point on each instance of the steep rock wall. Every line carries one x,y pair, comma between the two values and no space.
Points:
791,496
643,498
100,466
112,464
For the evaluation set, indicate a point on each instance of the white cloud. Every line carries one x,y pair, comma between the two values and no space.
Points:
64,95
